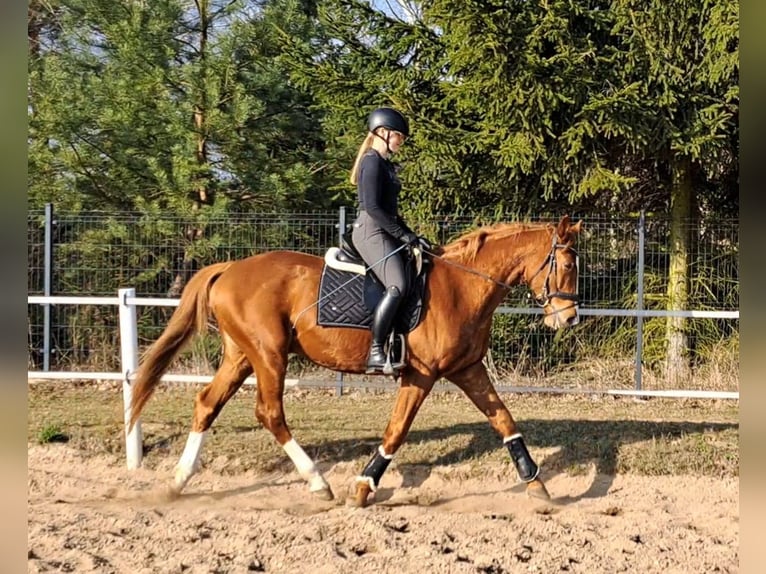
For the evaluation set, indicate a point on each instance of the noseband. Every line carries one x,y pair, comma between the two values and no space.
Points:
545,297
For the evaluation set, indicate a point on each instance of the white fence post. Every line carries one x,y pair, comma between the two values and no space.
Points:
129,356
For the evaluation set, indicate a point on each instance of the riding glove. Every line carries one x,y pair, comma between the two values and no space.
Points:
409,238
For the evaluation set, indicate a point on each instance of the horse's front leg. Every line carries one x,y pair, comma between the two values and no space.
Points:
474,382
413,390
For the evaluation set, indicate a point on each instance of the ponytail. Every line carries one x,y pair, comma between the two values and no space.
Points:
366,144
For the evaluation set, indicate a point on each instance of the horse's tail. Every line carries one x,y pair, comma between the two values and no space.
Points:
190,317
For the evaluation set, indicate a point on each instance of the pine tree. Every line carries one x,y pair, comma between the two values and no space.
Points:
167,107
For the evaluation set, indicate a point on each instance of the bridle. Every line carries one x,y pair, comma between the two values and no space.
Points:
544,298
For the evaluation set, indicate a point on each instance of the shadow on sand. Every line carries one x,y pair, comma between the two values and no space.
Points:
577,443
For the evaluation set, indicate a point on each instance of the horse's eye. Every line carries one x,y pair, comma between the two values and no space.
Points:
568,265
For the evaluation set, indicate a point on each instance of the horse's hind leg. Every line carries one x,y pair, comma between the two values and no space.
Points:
270,360
474,382
232,372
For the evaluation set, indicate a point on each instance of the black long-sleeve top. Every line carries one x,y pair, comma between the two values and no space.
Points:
378,188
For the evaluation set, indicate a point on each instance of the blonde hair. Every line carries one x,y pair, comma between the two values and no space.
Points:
366,144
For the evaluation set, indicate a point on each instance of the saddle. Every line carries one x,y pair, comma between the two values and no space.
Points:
349,293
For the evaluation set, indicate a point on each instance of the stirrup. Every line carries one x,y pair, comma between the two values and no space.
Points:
391,368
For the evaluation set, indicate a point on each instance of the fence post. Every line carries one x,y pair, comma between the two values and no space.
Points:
341,233
47,283
129,356
640,300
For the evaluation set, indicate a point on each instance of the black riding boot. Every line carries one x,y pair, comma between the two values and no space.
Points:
382,319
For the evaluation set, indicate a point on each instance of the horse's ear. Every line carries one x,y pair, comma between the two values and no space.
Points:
562,231
565,229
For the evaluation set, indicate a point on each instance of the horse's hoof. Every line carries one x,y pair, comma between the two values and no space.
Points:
536,489
172,492
323,493
362,493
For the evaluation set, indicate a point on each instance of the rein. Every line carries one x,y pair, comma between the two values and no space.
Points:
541,300
550,262
469,270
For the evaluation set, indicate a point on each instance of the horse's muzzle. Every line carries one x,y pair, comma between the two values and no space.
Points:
566,316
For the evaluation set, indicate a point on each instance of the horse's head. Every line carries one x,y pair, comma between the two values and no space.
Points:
554,282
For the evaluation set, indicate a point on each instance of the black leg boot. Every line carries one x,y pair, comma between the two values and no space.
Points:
382,319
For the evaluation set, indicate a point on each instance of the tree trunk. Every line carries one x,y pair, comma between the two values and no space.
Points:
677,366
201,196
188,264
201,107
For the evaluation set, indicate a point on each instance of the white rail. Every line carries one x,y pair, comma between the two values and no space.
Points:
103,376
127,303
131,299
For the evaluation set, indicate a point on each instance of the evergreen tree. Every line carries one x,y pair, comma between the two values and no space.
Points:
495,94
684,56
523,106
173,104
169,106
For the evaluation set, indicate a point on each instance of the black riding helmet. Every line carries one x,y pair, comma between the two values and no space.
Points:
388,118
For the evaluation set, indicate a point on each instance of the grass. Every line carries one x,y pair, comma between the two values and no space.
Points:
570,434
51,433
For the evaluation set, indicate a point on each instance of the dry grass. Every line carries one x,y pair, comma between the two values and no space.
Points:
717,369
719,373
565,433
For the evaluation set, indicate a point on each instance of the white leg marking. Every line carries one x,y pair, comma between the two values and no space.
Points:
189,463
305,466
383,453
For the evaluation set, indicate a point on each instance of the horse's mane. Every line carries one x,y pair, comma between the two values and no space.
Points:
465,247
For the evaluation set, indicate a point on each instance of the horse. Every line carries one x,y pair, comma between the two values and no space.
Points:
265,309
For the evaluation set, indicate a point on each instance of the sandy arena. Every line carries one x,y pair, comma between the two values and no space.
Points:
90,514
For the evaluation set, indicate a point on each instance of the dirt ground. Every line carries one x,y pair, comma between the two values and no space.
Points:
90,514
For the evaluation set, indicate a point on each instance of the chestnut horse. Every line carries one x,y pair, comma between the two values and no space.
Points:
265,307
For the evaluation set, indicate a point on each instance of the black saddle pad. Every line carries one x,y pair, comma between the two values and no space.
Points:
347,299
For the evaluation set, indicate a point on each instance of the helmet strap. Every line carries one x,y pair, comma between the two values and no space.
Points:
387,139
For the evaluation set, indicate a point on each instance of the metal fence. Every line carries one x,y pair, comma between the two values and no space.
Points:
624,267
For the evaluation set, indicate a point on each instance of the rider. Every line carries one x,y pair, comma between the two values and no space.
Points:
379,230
